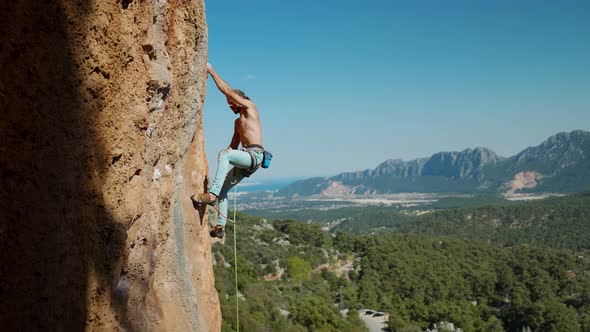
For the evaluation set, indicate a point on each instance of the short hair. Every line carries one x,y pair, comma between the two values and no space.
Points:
241,93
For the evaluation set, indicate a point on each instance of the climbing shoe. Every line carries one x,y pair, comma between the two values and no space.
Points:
203,198
217,231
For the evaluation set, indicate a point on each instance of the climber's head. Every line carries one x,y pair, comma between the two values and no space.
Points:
233,105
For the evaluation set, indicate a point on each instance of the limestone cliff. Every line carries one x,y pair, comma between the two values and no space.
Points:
102,145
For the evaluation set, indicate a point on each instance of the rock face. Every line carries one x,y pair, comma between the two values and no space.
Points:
467,164
559,152
102,146
523,180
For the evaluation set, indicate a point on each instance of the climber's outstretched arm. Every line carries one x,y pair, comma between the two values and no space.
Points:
227,90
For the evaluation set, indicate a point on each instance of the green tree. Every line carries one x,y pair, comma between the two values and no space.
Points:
493,324
315,314
561,318
298,268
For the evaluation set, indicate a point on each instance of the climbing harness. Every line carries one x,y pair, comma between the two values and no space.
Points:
254,165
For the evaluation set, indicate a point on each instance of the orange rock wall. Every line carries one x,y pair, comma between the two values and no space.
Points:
101,146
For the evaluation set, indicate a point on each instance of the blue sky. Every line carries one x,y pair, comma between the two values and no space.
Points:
344,85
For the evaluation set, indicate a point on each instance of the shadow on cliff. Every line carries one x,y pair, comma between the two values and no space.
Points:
56,234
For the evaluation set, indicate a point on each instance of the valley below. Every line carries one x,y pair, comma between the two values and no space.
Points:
410,202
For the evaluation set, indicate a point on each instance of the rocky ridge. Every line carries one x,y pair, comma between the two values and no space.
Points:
559,164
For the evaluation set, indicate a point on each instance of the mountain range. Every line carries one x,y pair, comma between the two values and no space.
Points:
559,164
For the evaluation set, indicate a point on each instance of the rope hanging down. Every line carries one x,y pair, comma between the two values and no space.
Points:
236,256
221,214
235,250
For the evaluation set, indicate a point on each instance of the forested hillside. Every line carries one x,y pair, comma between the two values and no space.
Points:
557,222
291,275
278,290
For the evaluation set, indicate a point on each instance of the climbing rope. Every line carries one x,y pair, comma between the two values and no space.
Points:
236,255
221,214
235,249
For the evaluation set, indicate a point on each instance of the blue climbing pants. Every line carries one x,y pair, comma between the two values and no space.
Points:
226,178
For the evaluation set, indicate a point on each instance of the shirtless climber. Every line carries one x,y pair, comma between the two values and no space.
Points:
245,162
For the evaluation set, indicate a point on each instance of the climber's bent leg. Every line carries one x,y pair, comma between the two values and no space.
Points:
226,158
233,178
